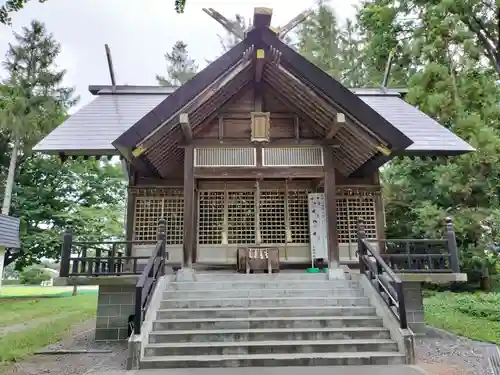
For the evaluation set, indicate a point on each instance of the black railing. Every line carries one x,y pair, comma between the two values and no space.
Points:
146,285
421,255
100,258
388,284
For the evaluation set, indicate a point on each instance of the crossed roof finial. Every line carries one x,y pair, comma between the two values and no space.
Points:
262,18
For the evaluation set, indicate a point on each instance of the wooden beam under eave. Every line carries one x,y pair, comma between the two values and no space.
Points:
260,58
275,142
189,206
339,123
187,131
334,129
258,173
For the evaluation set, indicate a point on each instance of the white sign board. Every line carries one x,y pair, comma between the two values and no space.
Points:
317,226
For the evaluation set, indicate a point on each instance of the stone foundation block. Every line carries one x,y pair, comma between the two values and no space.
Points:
414,306
115,306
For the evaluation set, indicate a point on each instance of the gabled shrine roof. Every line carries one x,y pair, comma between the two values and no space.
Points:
92,129
142,123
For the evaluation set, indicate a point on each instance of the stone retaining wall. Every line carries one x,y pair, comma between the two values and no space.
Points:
114,308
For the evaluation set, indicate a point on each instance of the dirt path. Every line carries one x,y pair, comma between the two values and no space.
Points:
81,338
32,324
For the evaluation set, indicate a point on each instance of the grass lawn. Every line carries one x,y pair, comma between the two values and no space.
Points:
476,316
55,317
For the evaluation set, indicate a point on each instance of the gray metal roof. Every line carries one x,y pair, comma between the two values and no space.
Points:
129,89
92,129
9,232
426,133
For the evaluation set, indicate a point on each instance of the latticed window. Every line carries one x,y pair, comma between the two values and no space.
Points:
298,217
168,204
349,210
272,217
229,217
241,217
211,217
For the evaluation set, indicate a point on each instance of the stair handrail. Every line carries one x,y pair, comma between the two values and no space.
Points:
375,268
146,285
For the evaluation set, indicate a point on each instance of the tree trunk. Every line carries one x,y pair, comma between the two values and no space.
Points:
485,280
7,197
9,185
75,291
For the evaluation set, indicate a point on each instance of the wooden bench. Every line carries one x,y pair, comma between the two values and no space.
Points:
252,259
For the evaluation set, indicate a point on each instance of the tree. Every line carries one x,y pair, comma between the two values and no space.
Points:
180,67
229,40
34,275
318,39
88,195
32,102
452,84
32,99
338,51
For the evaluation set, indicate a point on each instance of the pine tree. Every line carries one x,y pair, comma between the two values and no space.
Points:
180,67
318,39
229,40
32,100
450,82
338,51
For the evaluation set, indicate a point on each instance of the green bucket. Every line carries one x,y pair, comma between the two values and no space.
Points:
313,270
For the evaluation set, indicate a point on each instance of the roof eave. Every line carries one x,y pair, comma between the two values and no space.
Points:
131,137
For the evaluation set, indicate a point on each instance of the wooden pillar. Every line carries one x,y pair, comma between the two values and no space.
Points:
331,208
130,213
189,205
379,214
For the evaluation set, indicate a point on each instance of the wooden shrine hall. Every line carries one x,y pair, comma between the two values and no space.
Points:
260,149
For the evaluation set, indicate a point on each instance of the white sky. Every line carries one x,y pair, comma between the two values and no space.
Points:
139,36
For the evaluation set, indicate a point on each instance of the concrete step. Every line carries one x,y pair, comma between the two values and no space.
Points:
265,311
274,359
269,334
267,292
264,302
259,283
292,276
263,347
267,322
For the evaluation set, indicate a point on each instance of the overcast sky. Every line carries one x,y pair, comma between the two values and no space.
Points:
139,35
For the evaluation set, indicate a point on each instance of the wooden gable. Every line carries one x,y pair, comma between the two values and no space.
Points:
304,93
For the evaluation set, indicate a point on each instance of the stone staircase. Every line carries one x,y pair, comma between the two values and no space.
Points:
287,319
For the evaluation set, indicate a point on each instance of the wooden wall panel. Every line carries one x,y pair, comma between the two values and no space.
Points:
242,102
273,104
366,180
282,127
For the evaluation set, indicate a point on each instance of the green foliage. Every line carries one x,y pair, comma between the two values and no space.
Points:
180,67
449,80
33,100
11,6
34,275
87,194
475,316
47,196
337,51
481,305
